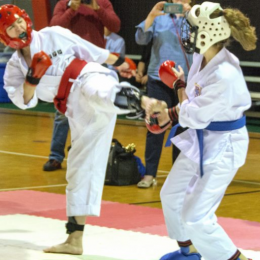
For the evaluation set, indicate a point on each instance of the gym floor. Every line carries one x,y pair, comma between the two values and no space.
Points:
24,148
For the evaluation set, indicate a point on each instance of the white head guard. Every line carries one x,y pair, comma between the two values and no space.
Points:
203,30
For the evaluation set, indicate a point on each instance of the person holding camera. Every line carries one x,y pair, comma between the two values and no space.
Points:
141,73
86,18
163,30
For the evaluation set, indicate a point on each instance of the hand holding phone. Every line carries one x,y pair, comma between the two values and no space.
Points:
173,8
74,4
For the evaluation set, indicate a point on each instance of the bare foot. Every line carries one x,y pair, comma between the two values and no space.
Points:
72,246
64,248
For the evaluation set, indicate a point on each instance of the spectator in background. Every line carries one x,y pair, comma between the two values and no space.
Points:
141,74
87,21
163,30
114,43
141,77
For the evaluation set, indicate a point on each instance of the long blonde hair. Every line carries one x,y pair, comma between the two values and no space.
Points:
241,30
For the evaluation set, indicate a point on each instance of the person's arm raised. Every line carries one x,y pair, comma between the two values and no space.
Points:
156,11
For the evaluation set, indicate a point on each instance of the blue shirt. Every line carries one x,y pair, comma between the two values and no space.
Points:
166,44
116,44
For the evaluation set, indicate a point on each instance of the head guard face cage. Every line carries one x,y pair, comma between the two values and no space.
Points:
204,26
8,15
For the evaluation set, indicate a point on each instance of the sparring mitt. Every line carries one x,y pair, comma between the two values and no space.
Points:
166,73
169,77
153,125
40,63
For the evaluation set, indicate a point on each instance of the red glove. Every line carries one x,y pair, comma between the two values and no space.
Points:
40,63
154,127
166,73
132,65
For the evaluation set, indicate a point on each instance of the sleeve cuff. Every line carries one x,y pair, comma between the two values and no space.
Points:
33,102
142,25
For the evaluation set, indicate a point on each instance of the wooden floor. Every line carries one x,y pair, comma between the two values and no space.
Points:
24,147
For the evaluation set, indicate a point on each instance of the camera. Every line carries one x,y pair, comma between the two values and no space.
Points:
173,8
88,2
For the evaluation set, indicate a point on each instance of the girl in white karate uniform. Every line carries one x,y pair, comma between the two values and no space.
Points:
216,143
35,71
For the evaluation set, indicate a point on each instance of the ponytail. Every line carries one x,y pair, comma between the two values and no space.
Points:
241,30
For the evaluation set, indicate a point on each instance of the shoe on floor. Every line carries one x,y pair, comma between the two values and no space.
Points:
51,165
146,184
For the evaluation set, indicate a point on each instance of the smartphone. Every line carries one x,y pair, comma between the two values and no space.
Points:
88,2
173,8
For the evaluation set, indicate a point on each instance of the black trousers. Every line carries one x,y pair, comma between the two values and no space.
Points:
154,142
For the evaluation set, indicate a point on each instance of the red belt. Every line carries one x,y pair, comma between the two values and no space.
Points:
71,72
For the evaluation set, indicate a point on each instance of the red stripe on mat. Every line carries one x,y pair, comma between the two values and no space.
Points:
245,234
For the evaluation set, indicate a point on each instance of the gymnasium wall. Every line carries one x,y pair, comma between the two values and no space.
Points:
132,12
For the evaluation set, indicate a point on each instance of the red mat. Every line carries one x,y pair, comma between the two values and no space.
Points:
245,234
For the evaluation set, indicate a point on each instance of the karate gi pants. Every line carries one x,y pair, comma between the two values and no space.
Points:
92,117
189,203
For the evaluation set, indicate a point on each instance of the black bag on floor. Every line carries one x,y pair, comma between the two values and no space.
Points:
122,166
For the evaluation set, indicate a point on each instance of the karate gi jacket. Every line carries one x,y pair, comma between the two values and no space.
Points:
62,46
218,92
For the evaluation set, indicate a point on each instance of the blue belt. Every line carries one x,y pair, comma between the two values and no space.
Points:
213,126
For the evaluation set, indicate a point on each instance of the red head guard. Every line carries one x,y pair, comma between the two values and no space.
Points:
8,15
